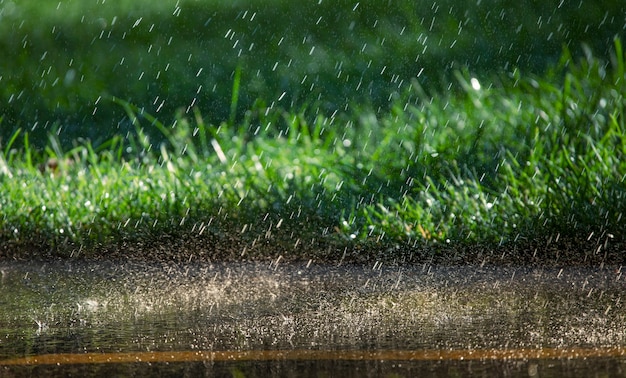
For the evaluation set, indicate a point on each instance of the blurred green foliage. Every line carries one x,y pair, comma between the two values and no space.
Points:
64,60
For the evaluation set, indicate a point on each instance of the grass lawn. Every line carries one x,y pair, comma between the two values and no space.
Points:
493,163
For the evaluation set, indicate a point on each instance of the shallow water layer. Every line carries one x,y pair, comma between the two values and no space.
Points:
467,314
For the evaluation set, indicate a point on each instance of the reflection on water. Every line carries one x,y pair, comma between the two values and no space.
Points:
105,307
308,368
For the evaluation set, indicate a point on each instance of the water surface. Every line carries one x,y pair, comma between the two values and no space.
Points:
307,311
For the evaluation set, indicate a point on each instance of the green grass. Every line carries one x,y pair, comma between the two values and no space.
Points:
516,160
64,58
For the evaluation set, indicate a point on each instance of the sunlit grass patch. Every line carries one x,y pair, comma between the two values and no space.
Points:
506,159
526,157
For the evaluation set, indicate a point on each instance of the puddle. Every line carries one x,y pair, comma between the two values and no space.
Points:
97,317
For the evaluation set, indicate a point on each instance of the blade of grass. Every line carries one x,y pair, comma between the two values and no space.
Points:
235,96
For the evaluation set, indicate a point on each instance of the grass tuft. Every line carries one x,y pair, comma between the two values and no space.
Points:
501,160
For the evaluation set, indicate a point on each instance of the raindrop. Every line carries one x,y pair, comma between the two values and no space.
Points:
475,83
137,22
